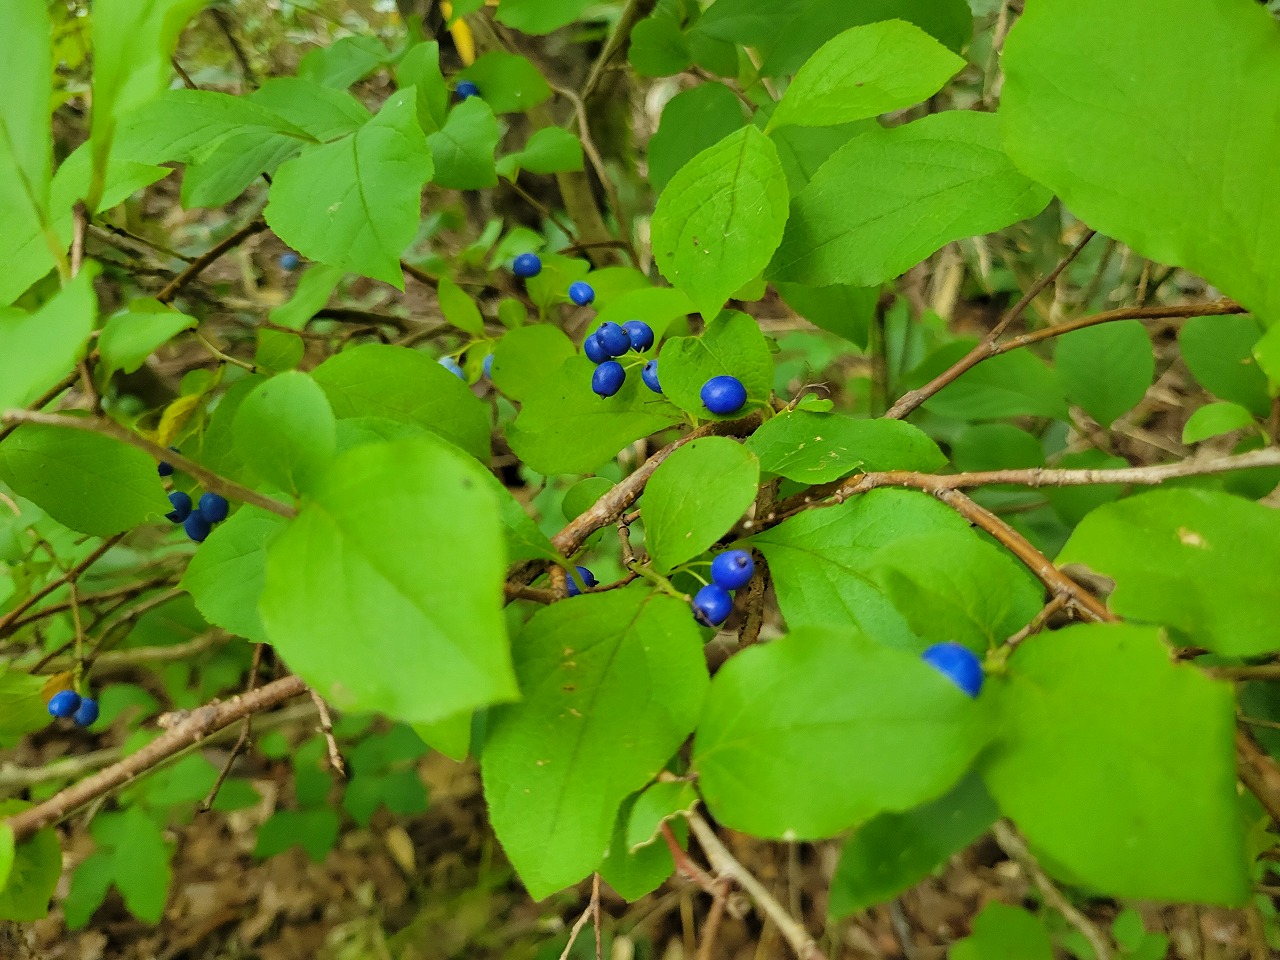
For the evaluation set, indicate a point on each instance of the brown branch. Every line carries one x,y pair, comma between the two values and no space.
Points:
1037,623
115,593
326,729
592,910
47,397
246,731
198,265
12,620
224,24
633,13
109,428
188,729
120,661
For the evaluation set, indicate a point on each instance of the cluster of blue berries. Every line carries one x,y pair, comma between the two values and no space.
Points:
465,90
67,703
612,340
197,519
958,664
730,570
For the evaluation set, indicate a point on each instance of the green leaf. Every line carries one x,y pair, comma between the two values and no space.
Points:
420,68
322,112
1013,384
343,62
315,831
86,481
657,804
450,736
1173,187
721,218
22,706
840,309
996,446
612,685
227,574
508,83
692,121
803,150
540,16
412,533
26,152
859,74
37,350
1204,562
890,198
524,355
355,203
635,873
1004,933
458,307
815,448
807,735
657,306
1106,369
893,852
463,149
695,497
376,380
1219,353
285,431
1215,419
1135,795
565,428
821,562
732,344
133,334
6,853
659,48
33,873
549,150
315,287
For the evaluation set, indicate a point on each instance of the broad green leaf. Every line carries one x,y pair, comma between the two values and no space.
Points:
821,562
1001,932
635,873
458,307
1219,353
1106,369
817,448
996,446
720,218
285,431
315,287
803,150
659,48
508,83
524,355
565,428
463,148
657,804
840,309
355,203
412,533
612,686
26,73
37,350
1215,419
450,736
1013,384
807,735
657,306
1204,562
859,74
324,113
86,481
890,198
226,576
132,43
895,851
6,853
133,334
695,497
344,61
33,872
692,121
1172,187
375,380
232,166
22,706
218,450
420,68
1072,504
549,150
1118,764
954,586
732,344
540,16
315,831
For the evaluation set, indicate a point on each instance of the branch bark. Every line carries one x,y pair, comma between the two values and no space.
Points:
198,266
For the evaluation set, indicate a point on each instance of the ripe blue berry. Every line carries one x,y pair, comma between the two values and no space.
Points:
581,292
466,89
197,526
723,394
64,703
650,376
290,261
214,507
608,378
87,714
958,664
732,569
181,506
488,366
614,339
588,579
164,467
640,334
526,265
594,349
712,605
451,365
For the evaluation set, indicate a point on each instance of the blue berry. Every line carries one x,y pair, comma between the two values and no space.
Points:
526,265
640,333
608,378
650,376
466,89
614,339
164,468
214,507
87,714
197,526
588,579
290,261
594,349
732,569
181,506
712,605
723,395
958,664
451,365
488,366
581,293
64,703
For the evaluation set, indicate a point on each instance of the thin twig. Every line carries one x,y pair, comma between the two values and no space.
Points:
1038,622
198,265
12,620
224,24
326,728
246,731
632,13
586,915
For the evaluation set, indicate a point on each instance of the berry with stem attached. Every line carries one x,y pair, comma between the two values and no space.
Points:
712,605
181,503
608,378
958,664
214,507
64,703
87,713
197,526
640,334
723,395
732,569
650,376
581,292
466,89
614,339
588,580
526,265
595,350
